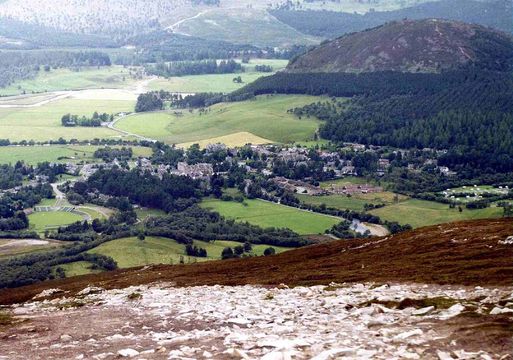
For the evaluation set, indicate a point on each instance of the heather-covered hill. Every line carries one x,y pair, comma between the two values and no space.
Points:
430,45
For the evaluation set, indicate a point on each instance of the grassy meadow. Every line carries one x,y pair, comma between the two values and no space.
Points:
78,268
33,155
42,123
355,202
265,117
266,215
131,252
420,213
65,79
215,82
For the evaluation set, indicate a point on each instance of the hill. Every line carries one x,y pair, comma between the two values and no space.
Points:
496,14
466,253
430,45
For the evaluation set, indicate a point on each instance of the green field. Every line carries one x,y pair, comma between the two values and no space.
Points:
350,180
215,82
42,123
420,213
78,268
131,252
355,202
265,117
33,155
65,79
266,215
41,221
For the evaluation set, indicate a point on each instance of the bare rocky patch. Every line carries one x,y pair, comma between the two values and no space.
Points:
160,321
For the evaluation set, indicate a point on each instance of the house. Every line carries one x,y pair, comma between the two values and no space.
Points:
202,171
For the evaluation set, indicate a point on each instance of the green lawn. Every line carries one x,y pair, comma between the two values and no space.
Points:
33,155
44,122
266,215
355,202
41,221
216,82
265,117
65,79
78,268
420,213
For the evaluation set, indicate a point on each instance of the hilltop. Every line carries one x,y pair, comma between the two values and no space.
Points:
430,45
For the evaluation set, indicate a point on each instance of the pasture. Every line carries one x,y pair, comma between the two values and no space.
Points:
350,180
41,221
132,252
419,213
43,123
66,79
33,155
270,215
265,117
78,268
215,82
355,202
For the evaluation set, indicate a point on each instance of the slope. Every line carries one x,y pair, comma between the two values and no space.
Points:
468,253
429,45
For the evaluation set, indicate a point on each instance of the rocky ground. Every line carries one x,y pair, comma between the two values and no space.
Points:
357,321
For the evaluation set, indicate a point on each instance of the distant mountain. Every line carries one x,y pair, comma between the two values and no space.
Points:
497,14
411,46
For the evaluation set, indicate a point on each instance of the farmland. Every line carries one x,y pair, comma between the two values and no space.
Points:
420,213
266,214
355,202
32,155
43,123
66,79
215,82
265,117
131,252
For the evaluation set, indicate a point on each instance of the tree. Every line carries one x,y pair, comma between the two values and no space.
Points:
238,250
269,251
227,253
247,246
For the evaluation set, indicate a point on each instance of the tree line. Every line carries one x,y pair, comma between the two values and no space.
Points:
182,68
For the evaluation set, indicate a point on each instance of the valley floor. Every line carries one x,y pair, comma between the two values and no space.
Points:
361,321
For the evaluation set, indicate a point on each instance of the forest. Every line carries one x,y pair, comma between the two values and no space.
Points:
26,65
182,68
460,111
330,24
